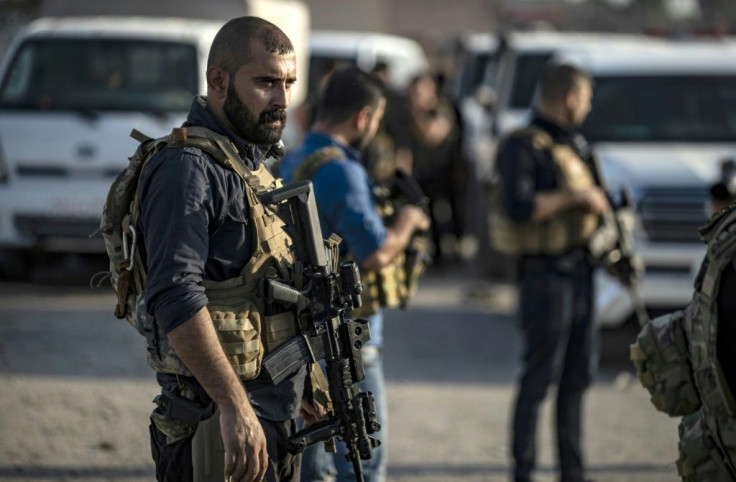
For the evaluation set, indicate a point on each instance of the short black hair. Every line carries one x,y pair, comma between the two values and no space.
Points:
347,91
558,80
230,49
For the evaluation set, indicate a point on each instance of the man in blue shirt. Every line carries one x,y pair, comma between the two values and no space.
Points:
348,115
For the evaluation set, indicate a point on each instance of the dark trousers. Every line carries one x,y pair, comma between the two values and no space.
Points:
560,345
174,461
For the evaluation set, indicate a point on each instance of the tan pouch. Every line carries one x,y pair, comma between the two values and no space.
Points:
239,331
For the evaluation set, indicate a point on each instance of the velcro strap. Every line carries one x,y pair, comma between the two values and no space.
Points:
122,293
246,369
240,347
285,321
139,136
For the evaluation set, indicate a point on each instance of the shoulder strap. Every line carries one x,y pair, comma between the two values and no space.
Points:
309,166
539,138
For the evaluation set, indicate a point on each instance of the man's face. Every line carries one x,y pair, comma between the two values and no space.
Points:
580,105
258,95
371,126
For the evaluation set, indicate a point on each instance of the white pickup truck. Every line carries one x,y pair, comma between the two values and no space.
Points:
71,90
663,119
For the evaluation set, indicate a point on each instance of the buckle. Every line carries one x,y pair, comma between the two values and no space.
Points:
129,248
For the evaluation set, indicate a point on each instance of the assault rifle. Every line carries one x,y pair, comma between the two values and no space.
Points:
321,303
405,188
621,261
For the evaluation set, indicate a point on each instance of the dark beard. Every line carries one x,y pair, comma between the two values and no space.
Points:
245,124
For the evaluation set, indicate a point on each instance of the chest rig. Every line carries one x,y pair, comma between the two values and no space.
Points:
388,287
245,330
677,361
568,229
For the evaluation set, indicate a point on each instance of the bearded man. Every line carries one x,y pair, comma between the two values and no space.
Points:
201,222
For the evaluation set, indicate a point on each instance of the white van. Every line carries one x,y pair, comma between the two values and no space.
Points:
404,57
663,119
525,57
71,90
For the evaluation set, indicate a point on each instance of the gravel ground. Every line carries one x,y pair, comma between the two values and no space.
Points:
76,392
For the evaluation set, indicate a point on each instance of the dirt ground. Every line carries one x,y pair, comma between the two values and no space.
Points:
76,392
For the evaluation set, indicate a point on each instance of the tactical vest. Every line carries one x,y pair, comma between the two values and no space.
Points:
675,356
571,228
245,332
388,287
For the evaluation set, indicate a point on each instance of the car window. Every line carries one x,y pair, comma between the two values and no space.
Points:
526,73
474,71
101,74
663,108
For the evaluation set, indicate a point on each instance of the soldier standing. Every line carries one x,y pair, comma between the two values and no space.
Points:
348,116
546,208
204,251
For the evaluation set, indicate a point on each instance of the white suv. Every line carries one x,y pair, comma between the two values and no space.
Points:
663,119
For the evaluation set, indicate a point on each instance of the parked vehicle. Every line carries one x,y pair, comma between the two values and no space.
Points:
71,90
525,57
663,119
404,57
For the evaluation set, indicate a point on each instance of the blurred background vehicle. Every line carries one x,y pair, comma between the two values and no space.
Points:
404,57
71,90
662,122
58,154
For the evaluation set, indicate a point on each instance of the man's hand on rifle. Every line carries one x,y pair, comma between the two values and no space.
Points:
312,412
627,269
415,216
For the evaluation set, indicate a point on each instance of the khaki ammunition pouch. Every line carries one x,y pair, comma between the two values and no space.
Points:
393,285
660,356
569,229
701,459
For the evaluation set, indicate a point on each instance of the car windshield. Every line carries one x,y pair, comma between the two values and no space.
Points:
528,68
473,72
99,74
663,108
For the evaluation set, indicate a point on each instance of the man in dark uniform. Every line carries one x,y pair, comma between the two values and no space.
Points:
547,205
197,222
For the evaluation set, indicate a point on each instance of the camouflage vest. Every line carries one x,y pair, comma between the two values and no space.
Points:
388,287
571,228
675,356
245,332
